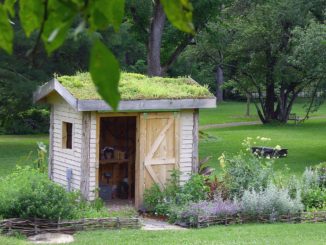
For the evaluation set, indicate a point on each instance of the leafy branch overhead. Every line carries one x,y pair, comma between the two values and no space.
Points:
52,20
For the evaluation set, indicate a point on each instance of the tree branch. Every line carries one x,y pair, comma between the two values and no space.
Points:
260,114
39,35
181,47
311,101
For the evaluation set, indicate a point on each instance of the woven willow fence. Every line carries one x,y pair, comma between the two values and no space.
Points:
37,226
303,217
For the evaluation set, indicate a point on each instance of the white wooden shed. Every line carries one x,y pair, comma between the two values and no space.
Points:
123,152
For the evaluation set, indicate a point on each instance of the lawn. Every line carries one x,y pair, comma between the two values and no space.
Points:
233,111
306,142
18,149
226,112
234,234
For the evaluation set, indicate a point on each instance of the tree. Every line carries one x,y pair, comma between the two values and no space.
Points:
210,49
309,58
52,19
258,49
150,23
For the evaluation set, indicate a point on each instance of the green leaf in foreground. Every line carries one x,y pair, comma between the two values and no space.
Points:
10,6
57,25
31,15
6,32
113,10
179,13
105,73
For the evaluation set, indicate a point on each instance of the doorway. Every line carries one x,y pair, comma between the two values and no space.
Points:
117,158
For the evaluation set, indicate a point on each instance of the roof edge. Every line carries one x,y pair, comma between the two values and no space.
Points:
54,85
42,91
148,105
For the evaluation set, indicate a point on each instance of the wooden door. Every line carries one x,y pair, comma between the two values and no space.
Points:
158,148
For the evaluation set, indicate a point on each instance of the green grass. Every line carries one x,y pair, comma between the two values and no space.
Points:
15,149
233,111
136,86
306,142
288,234
226,112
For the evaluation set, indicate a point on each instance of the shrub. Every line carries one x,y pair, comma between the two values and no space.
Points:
310,179
245,171
270,201
160,202
27,193
217,187
154,200
314,187
31,121
97,209
315,199
195,189
321,172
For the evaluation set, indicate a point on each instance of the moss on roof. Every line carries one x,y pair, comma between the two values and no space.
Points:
136,86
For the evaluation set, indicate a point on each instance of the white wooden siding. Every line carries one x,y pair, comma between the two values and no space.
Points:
186,144
66,158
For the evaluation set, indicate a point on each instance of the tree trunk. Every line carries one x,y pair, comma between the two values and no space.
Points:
281,111
219,77
154,42
269,102
248,105
270,88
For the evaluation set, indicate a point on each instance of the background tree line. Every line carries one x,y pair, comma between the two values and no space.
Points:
273,49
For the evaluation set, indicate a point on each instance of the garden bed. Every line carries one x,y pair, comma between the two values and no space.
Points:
30,227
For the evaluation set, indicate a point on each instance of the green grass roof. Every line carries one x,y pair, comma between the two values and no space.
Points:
136,87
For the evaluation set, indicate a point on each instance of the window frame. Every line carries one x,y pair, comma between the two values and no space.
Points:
67,135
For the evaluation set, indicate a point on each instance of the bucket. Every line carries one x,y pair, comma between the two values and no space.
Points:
106,192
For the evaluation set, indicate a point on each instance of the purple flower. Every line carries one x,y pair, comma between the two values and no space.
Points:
216,207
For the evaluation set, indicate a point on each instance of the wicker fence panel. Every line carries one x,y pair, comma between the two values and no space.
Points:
303,217
36,226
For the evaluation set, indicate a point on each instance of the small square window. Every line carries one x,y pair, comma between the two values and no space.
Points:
66,135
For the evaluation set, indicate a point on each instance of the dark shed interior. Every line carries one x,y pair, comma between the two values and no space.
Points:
117,158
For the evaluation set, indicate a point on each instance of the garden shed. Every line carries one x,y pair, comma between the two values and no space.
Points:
123,152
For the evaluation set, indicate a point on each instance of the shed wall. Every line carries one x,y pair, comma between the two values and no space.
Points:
66,158
71,158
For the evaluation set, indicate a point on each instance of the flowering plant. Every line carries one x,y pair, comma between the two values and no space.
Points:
217,207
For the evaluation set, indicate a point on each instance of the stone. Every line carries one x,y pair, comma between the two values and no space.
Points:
157,225
51,238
